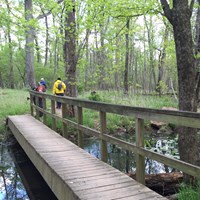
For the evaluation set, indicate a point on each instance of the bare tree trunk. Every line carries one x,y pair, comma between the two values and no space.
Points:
152,81
132,67
197,53
37,47
11,74
70,45
87,57
161,64
101,59
126,85
29,71
46,42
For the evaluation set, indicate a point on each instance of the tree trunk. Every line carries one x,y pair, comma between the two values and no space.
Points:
29,71
11,74
152,74
126,85
37,47
161,63
179,17
197,53
46,42
70,45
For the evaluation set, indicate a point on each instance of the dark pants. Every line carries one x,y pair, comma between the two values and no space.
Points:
40,104
58,104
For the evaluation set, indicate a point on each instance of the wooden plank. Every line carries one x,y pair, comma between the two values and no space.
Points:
136,192
69,171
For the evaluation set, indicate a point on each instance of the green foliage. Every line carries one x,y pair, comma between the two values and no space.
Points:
94,96
80,88
162,87
189,192
90,118
12,102
114,122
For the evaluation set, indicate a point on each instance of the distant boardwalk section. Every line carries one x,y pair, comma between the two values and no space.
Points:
71,172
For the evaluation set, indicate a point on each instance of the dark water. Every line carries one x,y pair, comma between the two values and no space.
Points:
125,160
19,179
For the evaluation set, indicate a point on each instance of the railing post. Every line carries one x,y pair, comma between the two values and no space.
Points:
31,102
64,115
53,111
37,105
80,121
140,160
44,108
104,150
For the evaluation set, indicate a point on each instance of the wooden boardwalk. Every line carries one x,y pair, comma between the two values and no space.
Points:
71,172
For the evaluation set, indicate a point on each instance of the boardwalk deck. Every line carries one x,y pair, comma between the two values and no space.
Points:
71,172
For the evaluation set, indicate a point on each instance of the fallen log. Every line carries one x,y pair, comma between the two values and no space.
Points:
164,183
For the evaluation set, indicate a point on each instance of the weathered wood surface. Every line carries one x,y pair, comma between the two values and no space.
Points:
69,171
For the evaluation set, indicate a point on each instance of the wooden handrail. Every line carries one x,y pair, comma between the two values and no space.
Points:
181,118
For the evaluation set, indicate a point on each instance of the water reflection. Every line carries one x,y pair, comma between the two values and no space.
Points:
11,186
125,161
19,179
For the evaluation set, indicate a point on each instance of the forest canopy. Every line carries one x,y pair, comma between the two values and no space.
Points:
119,44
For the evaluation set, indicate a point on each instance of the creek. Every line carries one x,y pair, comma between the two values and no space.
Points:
19,179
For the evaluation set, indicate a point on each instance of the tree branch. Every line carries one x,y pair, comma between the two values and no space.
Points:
49,12
166,9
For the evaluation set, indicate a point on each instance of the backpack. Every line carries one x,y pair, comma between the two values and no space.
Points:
60,86
40,88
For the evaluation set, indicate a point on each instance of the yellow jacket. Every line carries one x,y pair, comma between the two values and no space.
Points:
55,87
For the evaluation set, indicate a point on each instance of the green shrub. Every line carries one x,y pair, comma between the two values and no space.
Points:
94,96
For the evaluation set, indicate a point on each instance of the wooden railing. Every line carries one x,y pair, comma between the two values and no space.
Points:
180,118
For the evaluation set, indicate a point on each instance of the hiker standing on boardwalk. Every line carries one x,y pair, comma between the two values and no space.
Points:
59,88
43,82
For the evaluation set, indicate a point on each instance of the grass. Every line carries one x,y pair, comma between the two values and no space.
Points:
12,102
148,101
188,192
114,121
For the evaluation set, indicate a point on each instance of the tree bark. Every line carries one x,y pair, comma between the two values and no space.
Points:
161,64
197,53
46,42
70,50
152,74
11,74
126,85
179,16
37,47
29,71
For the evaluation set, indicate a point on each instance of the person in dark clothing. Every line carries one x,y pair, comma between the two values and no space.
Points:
43,82
39,88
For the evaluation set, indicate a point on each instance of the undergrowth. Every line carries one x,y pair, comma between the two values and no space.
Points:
189,192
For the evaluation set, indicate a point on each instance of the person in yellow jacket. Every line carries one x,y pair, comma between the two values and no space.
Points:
59,88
